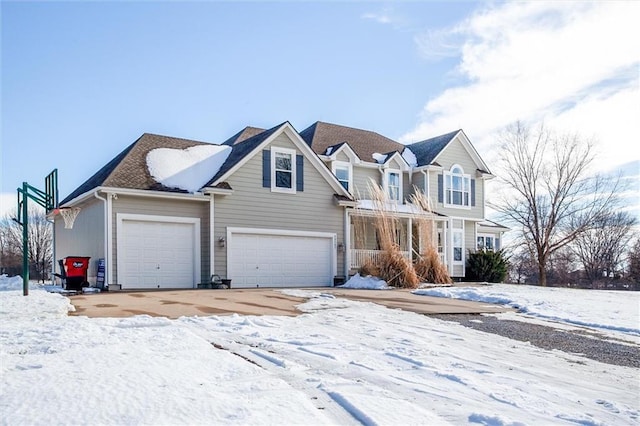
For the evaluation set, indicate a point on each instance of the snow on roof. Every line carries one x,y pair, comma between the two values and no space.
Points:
410,157
380,158
189,169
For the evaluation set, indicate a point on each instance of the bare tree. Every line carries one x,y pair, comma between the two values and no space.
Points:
601,248
633,272
549,193
40,236
522,267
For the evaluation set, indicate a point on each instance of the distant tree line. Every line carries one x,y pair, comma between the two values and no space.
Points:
40,232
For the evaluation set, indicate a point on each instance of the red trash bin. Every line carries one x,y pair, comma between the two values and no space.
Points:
75,268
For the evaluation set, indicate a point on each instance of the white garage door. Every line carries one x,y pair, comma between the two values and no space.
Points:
272,260
153,254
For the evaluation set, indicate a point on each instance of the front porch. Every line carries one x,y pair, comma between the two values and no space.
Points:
411,235
360,256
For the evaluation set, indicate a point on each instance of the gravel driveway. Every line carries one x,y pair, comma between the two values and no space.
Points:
586,343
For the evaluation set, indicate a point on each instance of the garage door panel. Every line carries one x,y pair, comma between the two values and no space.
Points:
280,260
156,254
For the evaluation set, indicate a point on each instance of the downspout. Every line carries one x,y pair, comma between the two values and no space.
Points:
107,236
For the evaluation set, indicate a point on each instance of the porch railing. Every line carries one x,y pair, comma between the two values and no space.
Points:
359,256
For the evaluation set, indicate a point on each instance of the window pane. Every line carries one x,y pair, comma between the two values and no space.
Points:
457,198
283,161
283,179
489,243
345,184
394,194
457,183
480,243
457,254
457,239
394,179
457,246
342,174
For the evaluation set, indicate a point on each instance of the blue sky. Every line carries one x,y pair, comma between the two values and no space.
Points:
81,81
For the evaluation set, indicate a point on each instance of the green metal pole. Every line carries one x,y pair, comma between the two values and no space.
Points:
25,241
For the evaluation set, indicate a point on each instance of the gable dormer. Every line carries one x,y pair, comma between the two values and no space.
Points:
393,169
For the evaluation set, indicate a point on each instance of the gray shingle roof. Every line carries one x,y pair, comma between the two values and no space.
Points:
427,150
319,136
243,135
242,149
129,168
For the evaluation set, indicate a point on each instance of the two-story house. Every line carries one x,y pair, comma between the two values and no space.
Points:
446,168
270,208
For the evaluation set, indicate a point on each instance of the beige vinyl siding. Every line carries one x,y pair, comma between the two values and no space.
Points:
362,176
164,207
253,206
417,180
469,238
458,271
455,153
86,238
407,186
342,157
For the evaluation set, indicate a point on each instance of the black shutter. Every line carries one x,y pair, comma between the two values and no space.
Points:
473,192
266,168
440,189
299,173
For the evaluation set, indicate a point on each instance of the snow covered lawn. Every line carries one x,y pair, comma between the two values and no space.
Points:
342,362
613,312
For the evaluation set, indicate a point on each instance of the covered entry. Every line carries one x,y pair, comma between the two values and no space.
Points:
279,258
157,251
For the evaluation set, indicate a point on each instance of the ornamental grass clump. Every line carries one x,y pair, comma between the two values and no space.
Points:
392,266
427,264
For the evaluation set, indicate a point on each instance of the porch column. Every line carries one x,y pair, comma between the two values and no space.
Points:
212,238
347,243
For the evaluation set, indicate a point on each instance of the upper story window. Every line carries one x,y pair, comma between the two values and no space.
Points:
457,187
393,183
283,169
343,171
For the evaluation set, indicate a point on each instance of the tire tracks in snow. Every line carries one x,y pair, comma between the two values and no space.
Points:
322,400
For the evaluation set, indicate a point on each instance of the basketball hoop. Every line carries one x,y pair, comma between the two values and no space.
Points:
69,215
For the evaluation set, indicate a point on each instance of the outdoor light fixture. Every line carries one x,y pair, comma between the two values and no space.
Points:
340,247
221,241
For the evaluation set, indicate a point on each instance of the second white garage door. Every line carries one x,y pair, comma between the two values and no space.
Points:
280,260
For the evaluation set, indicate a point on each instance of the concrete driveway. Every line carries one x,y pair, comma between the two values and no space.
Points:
205,302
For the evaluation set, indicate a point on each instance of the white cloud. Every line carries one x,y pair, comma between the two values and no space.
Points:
381,17
386,15
8,203
573,65
439,43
